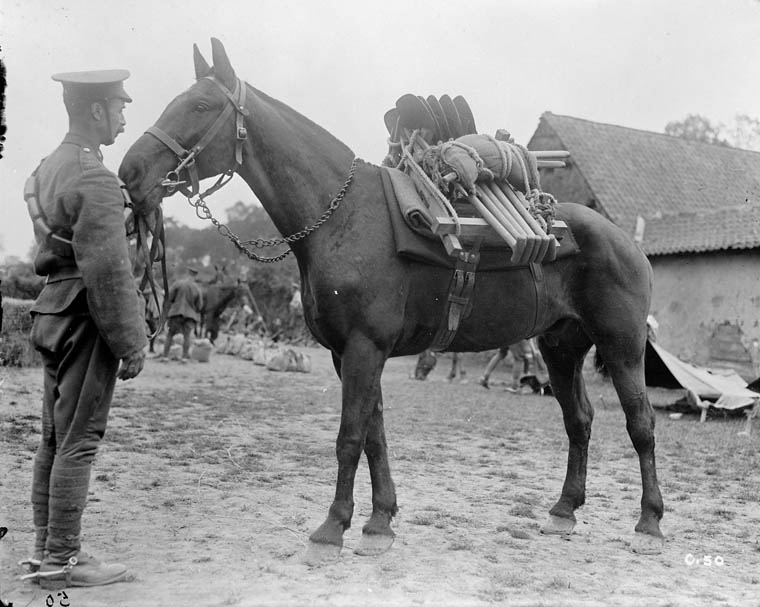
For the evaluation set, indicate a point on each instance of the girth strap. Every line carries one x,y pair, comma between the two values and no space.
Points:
542,308
459,301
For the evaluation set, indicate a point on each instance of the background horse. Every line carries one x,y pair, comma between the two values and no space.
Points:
365,303
217,297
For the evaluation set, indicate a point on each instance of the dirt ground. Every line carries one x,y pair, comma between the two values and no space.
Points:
212,476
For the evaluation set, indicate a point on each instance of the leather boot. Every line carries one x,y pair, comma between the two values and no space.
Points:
81,570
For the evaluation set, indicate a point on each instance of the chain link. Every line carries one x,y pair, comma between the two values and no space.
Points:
203,212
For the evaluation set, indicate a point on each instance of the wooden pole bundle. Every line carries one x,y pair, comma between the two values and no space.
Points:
553,154
550,159
517,245
511,217
519,202
500,206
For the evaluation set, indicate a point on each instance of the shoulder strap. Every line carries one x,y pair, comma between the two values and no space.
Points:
60,244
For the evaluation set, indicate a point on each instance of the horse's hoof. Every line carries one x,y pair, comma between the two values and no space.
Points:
373,544
643,543
557,525
320,554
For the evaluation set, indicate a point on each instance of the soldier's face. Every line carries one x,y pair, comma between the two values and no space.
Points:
114,126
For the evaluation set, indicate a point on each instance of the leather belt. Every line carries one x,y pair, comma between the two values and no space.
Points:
459,302
64,273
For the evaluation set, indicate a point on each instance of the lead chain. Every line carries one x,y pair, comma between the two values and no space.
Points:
203,212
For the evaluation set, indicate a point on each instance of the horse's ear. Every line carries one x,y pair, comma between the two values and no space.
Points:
202,68
222,67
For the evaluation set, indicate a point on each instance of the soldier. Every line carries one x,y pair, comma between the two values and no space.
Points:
88,324
523,357
185,306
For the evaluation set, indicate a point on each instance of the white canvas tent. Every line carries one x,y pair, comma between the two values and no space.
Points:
723,389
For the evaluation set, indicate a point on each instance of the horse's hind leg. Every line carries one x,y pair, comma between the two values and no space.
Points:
627,374
377,535
563,355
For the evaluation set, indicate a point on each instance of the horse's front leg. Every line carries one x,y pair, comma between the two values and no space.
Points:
377,535
361,369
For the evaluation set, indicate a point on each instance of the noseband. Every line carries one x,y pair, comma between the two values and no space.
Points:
187,158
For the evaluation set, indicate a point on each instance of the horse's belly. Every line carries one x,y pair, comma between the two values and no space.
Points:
503,310
499,317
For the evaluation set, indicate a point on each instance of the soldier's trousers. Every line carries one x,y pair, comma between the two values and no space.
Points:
183,325
79,378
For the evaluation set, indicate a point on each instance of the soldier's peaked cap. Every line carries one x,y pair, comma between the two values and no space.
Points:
94,85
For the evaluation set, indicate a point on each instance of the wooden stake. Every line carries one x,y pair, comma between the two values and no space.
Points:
551,154
519,207
518,247
510,207
510,216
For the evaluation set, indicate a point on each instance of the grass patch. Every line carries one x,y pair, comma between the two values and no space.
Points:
522,510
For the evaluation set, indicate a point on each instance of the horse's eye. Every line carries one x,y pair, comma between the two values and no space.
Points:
201,106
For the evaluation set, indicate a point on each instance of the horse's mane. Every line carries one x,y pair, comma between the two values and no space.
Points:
296,123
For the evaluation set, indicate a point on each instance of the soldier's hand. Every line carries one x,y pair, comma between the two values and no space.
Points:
131,365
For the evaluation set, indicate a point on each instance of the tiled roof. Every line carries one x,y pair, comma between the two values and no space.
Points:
693,232
693,196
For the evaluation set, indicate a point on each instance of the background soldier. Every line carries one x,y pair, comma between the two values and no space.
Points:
523,358
87,319
185,305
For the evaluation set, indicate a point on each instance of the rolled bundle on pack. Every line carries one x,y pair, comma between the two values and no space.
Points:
511,162
507,161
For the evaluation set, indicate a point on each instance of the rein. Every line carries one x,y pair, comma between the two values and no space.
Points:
151,246
173,183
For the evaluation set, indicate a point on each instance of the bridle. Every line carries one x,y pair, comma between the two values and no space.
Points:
172,181
151,239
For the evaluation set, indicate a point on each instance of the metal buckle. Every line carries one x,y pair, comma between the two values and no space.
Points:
172,181
242,132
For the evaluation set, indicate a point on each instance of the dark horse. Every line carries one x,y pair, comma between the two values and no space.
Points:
366,304
216,298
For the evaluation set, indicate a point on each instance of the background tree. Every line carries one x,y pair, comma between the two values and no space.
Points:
272,284
743,133
696,128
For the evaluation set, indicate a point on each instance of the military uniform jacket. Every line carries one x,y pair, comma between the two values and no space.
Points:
185,299
83,202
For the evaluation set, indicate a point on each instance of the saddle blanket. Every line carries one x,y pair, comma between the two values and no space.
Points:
414,240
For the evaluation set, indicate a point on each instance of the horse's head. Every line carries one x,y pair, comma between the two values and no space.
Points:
200,134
